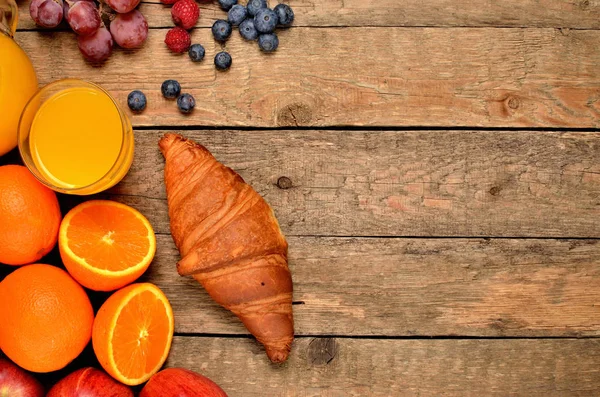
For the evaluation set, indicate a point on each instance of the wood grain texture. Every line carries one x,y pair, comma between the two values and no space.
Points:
423,287
408,183
365,77
350,367
580,14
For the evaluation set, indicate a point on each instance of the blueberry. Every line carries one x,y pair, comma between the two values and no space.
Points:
170,89
265,20
221,30
223,60
248,30
255,5
237,14
285,14
268,42
136,100
196,52
227,4
186,103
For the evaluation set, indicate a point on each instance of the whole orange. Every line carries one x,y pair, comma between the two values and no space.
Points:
29,216
46,318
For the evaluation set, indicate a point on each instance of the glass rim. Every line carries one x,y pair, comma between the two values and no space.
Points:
76,83
9,26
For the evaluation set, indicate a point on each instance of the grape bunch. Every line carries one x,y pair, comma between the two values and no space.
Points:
127,27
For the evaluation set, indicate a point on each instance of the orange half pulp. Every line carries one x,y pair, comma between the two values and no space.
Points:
106,245
133,332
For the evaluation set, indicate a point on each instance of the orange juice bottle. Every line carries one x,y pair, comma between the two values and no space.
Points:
17,77
75,139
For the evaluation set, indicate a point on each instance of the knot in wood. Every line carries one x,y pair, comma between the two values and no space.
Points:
322,351
294,115
584,4
513,102
284,183
494,191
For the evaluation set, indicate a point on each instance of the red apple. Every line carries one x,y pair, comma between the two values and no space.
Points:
88,382
179,382
15,382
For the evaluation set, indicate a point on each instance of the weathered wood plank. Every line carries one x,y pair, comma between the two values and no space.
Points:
581,14
425,287
351,367
357,76
408,183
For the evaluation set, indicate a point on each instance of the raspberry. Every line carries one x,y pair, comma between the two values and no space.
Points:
185,13
178,40
169,2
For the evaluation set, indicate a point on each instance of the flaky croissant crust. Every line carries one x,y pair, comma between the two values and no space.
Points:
230,241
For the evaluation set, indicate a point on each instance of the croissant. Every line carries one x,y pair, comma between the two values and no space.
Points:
230,242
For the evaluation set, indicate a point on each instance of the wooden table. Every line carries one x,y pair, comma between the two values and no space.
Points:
436,168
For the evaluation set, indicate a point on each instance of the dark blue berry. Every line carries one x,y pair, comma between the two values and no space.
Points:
237,14
227,4
221,30
223,60
170,89
186,103
196,52
255,5
265,20
136,100
285,14
248,30
268,42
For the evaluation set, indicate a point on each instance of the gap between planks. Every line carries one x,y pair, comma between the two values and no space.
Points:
352,128
388,337
423,237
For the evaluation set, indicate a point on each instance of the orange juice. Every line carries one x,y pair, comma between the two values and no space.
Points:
17,84
75,138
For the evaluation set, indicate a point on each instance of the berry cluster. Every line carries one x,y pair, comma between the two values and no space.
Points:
171,89
256,21
128,27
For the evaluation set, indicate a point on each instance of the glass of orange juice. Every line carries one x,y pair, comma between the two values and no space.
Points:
75,138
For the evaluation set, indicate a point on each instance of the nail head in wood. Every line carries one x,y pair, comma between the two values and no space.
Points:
284,183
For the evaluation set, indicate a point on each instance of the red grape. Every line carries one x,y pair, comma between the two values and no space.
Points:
96,47
122,6
83,17
46,13
129,30
68,3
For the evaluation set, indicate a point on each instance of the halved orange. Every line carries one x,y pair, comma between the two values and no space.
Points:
106,245
132,333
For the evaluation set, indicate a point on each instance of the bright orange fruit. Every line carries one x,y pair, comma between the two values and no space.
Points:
132,333
29,216
106,245
45,318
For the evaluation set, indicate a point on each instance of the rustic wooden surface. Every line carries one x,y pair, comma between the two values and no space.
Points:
356,76
341,367
436,168
400,183
417,287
